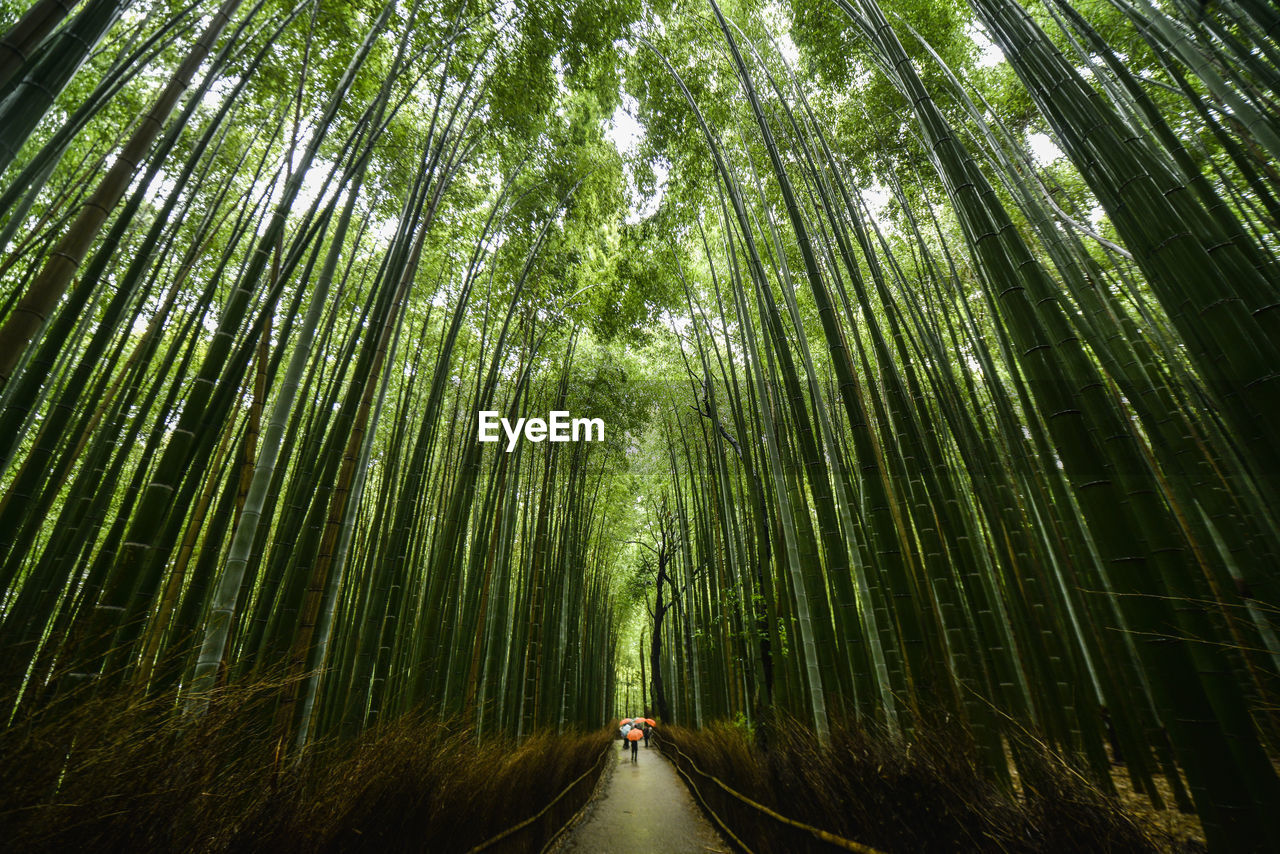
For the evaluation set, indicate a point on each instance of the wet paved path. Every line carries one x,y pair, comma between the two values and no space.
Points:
644,808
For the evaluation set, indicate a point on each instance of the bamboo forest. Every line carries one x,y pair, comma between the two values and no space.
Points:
867,409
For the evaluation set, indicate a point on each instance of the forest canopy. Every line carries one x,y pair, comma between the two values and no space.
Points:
936,342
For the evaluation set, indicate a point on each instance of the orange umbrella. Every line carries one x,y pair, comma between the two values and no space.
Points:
650,721
635,735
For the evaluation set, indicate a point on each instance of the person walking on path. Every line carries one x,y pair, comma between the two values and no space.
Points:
644,808
626,728
647,730
635,750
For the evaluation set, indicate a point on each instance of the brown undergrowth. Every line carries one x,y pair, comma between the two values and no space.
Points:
118,774
925,794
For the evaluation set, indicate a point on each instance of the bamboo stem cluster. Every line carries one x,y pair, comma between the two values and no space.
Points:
998,492
239,363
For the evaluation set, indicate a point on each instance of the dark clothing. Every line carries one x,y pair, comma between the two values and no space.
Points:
635,750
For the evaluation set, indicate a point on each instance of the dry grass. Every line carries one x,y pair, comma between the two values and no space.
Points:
923,795
116,774
1177,831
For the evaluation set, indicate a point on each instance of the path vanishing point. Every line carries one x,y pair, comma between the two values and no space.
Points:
643,808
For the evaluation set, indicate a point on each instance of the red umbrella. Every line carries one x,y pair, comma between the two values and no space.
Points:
635,735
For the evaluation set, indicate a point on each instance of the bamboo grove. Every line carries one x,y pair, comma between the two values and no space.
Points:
903,422
240,396
990,464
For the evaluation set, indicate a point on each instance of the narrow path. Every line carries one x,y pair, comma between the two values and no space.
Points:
644,809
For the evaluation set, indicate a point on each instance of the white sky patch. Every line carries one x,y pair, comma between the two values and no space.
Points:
788,48
217,92
312,181
626,133
778,19
506,10
679,322
650,205
1043,148
387,230
877,198
988,53
780,25
623,130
